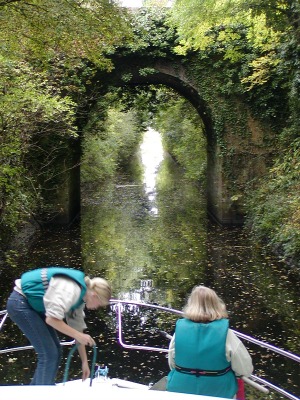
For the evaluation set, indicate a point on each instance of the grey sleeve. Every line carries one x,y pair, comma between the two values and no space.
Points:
237,354
75,319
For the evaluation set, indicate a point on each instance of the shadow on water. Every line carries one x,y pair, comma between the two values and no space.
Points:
156,244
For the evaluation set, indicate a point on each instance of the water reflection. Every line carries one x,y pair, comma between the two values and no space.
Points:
152,154
121,238
159,260
180,248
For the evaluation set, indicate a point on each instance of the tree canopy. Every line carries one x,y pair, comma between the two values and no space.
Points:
43,29
194,18
50,51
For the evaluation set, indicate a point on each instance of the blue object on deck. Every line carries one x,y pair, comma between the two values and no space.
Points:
102,370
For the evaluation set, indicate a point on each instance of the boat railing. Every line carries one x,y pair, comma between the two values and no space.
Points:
119,307
257,382
3,317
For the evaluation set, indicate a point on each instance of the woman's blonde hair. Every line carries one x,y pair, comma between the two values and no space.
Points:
204,305
100,286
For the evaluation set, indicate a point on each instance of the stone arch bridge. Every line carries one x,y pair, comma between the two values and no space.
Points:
236,147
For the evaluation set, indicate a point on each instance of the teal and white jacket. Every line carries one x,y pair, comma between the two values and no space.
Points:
206,347
56,292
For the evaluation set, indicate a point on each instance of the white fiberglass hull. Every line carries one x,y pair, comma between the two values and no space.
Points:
111,389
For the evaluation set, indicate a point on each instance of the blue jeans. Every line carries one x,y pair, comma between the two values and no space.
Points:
43,338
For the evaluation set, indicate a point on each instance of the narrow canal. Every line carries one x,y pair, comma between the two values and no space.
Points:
147,232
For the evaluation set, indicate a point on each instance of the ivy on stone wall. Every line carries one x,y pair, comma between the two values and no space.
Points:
246,71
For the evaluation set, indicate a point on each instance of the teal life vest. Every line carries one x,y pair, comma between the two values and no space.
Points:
35,283
200,358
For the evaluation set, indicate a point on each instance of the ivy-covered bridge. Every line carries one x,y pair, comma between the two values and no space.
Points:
237,143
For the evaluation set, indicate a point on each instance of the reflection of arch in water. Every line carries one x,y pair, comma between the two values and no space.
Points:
152,154
227,172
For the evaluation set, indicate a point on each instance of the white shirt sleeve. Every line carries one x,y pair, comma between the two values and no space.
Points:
18,287
238,355
61,295
171,353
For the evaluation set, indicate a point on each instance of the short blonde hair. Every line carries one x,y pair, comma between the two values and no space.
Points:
99,286
204,305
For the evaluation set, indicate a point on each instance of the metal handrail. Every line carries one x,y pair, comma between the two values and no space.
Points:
254,381
118,303
251,339
274,387
130,346
268,346
4,318
22,348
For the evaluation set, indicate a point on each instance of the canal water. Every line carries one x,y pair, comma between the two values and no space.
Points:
147,232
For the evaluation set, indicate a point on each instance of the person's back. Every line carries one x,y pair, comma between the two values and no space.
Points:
204,355
201,366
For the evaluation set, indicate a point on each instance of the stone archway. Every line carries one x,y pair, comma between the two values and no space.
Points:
227,173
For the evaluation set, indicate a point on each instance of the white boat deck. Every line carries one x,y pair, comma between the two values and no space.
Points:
125,390
111,389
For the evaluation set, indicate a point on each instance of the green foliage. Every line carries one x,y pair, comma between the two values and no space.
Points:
274,208
43,28
239,52
183,135
70,76
151,34
110,140
29,112
251,49
226,34
48,55
194,18
124,131
145,100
